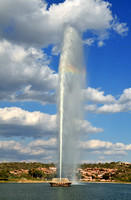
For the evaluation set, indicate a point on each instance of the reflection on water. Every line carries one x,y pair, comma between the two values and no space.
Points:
60,193
78,183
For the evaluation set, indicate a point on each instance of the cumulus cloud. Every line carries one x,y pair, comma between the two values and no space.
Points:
97,96
17,122
28,25
25,74
39,150
45,150
30,22
126,96
51,143
95,144
111,105
109,108
114,108
29,94
86,127
105,147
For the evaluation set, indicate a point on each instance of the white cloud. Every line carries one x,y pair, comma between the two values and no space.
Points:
17,122
101,43
29,94
105,147
18,151
97,96
109,108
114,152
91,108
44,143
89,41
126,96
95,144
29,22
123,104
56,50
121,28
45,150
7,145
87,128
25,75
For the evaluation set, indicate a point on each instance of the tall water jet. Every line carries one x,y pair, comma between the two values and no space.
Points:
71,75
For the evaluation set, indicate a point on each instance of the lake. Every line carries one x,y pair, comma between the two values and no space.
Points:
43,191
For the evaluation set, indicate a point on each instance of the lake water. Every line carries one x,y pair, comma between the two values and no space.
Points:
43,191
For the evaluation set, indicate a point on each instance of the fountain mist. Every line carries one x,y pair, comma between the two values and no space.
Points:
71,73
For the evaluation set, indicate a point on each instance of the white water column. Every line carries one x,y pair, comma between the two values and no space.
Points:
72,76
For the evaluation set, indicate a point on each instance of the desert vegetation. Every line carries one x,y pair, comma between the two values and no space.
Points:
108,172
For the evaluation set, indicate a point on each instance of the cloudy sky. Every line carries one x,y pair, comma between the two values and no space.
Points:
31,35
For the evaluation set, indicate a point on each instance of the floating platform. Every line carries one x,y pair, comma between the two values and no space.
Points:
57,182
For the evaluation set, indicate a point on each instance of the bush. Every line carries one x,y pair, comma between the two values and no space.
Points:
105,176
35,173
4,174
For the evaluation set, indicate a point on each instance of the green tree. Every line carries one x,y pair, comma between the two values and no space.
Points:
4,174
35,173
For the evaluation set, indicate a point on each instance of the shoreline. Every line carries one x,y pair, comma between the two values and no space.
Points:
42,181
107,182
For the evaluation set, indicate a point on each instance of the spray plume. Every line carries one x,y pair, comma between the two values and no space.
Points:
72,75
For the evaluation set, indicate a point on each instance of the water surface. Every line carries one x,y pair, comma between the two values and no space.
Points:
87,191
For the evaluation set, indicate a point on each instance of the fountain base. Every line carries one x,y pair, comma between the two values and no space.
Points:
57,182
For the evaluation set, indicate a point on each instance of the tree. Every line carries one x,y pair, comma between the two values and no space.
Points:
105,176
4,174
129,166
93,177
35,173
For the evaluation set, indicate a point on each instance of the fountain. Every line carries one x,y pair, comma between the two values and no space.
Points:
71,79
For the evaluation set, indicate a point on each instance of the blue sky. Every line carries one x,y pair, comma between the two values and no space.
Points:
30,44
